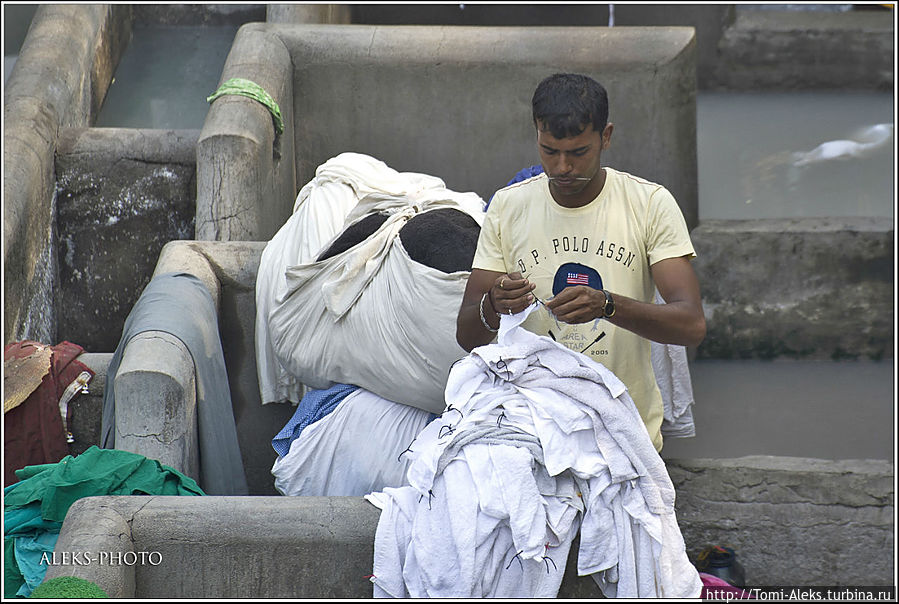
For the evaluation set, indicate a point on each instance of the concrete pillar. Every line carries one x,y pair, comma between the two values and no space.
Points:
246,180
156,402
94,529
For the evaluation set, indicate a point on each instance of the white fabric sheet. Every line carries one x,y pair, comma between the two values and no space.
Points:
672,372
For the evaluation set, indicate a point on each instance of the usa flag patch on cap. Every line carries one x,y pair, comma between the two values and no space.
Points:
578,279
572,273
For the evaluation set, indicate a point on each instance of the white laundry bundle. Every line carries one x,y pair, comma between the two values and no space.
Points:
353,450
324,208
537,442
371,315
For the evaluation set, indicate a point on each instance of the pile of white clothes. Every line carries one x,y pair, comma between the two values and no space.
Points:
536,443
369,316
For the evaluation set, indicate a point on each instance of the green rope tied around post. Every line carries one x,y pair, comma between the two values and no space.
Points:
254,91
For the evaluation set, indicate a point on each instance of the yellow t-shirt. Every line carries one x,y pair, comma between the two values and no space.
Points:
610,243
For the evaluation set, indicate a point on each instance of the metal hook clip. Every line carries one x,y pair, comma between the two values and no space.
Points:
449,430
518,556
430,494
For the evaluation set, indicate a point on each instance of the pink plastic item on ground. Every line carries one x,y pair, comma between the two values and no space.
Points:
714,588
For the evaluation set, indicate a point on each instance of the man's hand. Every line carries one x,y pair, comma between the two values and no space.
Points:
511,293
577,304
501,293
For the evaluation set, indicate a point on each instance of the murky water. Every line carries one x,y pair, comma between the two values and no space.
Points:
789,155
823,409
165,76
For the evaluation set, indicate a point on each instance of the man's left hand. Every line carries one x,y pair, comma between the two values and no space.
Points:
577,304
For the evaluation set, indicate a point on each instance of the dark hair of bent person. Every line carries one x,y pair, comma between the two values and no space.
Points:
354,234
443,239
567,102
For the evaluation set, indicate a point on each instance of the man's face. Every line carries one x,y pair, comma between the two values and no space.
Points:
572,164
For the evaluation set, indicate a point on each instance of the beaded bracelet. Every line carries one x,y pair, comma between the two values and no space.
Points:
481,312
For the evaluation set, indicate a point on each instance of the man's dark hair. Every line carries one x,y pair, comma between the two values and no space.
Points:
567,102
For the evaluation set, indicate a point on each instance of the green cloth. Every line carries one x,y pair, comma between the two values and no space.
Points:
68,587
34,507
12,576
253,90
95,472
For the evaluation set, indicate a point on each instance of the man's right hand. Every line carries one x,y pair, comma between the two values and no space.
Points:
511,293
501,293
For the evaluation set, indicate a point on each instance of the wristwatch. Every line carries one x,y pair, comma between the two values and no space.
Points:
608,308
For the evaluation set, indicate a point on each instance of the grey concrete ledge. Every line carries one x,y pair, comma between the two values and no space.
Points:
143,145
105,532
793,521
156,402
245,170
811,21
805,225
826,50
777,287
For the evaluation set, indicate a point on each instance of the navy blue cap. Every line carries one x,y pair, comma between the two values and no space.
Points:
572,273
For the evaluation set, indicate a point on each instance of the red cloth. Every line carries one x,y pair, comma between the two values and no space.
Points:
33,432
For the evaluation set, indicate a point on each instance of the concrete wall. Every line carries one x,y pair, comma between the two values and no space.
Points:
738,47
122,194
813,288
197,14
709,20
792,521
59,81
308,13
807,50
459,109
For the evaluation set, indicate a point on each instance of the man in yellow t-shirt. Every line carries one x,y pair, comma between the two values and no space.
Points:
593,244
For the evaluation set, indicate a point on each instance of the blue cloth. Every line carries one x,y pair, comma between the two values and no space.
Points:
523,174
32,537
315,405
